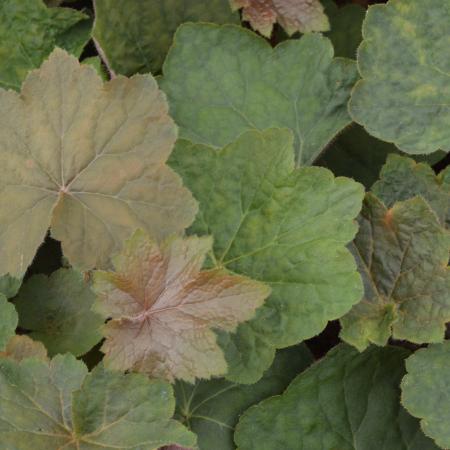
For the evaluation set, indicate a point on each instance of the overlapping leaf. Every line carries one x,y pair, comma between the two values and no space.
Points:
134,36
426,389
287,227
8,321
87,159
346,401
404,96
57,311
59,405
293,15
211,408
20,347
163,308
222,81
402,255
29,31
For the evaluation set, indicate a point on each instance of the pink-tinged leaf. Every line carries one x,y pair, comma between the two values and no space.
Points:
163,308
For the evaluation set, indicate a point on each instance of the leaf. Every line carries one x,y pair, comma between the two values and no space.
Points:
163,308
293,15
284,226
402,178
87,159
211,408
59,405
20,347
29,31
57,311
9,286
222,81
402,255
135,36
425,391
346,401
403,96
8,321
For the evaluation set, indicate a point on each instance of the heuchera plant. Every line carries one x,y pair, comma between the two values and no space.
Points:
224,225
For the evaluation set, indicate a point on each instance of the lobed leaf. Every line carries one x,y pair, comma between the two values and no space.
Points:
402,255
283,226
222,81
8,321
88,160
163,308
20,347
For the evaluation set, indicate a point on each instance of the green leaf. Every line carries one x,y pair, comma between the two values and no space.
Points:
86,159
222,81
346,401
29,31
9,286
345,27
135,36
96,63
8,321
402,178
212,408
425,391
57,311
284,226
59,405
403,97
402,255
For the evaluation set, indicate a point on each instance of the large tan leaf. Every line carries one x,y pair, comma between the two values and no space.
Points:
88,159
163,308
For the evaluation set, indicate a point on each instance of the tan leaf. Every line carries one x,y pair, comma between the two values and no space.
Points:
163,308
293,15
21,347
88,160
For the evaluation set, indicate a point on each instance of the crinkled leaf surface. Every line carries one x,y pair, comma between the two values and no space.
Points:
287,227
59,405
222,81
404,94
402,255
426,390
402,178
212,408
20,347
57,311
163,308
293,15
29,31
346,401
87,159
8,321
134,35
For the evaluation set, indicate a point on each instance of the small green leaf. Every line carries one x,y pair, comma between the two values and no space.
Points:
404,93
212,408
8,321
59,405
29,31
135,36
402,255
57,311
222,81
9,286
426,390
346,401
284,226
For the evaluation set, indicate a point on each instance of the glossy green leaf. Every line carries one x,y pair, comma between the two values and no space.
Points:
426,390
135,36
86,159
402,255
346,401
57,311
8,321
222,81
59,405
212,408
404,93
287,227
29,31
